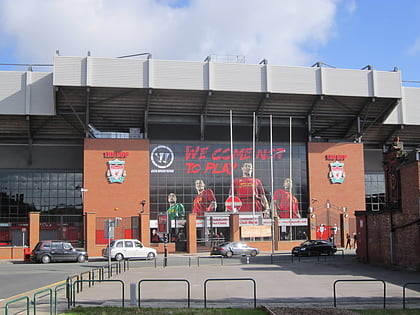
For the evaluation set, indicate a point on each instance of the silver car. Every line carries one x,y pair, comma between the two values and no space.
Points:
229,249
128,249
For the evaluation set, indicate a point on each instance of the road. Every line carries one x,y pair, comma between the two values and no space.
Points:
22,277
19,277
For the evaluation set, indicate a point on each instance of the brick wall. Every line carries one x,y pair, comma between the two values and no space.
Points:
404,251
350,193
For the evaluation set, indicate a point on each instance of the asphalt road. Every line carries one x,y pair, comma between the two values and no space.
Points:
18,277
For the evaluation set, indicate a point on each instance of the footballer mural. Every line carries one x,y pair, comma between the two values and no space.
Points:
204,176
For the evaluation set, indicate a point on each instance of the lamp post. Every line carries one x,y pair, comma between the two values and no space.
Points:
109,248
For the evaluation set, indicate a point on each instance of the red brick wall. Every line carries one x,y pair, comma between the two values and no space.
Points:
378,238
103,197
407,238
350,193
405,251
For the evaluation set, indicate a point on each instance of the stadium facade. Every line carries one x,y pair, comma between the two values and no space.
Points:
96,146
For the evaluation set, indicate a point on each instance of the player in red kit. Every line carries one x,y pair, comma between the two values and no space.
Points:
205,200
250,189
284,201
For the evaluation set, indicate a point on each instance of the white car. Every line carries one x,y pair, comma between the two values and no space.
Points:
128,249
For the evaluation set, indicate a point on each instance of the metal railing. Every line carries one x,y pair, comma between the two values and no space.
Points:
166,280
230,279
6,308
404,294
359,280
104,280
50,294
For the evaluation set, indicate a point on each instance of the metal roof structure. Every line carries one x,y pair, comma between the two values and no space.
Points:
157,97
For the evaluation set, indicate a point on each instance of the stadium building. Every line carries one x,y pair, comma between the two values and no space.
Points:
103,148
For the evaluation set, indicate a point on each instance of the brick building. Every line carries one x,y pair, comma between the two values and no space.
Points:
397,226
98,139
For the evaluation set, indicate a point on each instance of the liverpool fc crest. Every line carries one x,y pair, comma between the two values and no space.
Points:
116,172
336,173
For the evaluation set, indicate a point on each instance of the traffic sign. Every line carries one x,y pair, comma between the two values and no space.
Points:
237,203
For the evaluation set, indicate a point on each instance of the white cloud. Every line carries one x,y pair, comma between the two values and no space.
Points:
415,48
279,30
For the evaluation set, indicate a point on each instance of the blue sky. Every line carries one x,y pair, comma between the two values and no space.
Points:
342,33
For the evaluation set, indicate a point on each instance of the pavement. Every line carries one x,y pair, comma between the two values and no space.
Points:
200,281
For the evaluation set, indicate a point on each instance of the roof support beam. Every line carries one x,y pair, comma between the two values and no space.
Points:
30,138
82,123
259,113
386,110
87,114
311,111
146,113
203,114
359,122
309,124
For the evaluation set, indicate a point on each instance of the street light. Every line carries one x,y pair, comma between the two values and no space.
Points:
111,228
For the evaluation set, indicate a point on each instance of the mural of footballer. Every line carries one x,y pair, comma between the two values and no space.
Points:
248,188
205,201
284,201
175,210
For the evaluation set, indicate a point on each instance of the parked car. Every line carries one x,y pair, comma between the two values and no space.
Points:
228,249
53,251
128,249
314,248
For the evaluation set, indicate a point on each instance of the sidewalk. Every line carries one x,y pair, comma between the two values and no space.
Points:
308,283
278,282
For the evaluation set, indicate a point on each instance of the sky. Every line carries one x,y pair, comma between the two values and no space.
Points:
350,34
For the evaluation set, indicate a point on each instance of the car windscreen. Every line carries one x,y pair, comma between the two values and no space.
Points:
67,246
306,243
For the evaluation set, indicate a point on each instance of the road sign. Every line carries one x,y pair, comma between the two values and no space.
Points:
237,203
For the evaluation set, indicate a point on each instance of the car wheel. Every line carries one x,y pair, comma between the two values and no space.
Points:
81,258
119,257
150,255
253,253
229,254
46,259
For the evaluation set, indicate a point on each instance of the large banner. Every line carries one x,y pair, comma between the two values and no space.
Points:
198,178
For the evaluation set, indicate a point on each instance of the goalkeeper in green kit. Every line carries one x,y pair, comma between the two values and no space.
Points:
175,210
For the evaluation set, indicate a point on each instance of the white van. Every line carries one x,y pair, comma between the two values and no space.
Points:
128,249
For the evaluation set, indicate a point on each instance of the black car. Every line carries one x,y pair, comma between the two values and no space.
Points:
229,249
52,251
314,248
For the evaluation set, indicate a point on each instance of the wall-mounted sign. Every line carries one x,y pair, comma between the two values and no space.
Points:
113,155
116,172
335,157
336,173
162,157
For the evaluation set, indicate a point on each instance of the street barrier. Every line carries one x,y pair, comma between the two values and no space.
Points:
230,279
58,288
210,257
50,294
404,294
166,280
6,312
358,280
107,280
